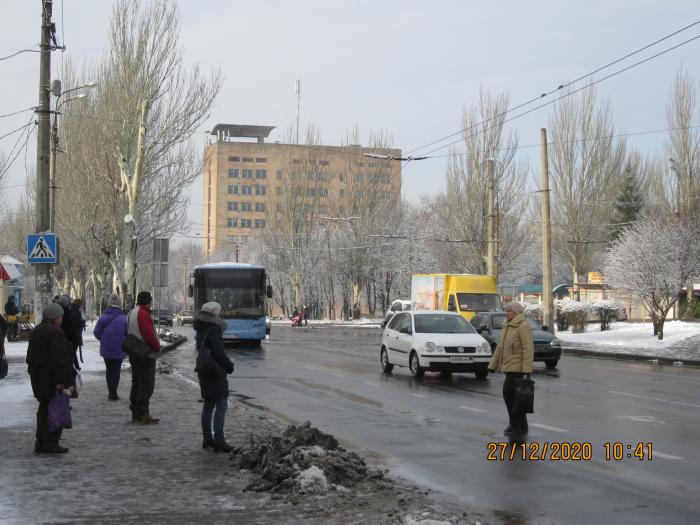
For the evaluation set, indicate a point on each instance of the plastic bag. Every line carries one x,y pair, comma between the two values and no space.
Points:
525,395
59,412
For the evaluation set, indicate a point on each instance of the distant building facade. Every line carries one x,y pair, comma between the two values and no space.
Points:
250,186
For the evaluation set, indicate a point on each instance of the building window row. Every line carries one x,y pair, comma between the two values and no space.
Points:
247,159
246,206
246,223
233,189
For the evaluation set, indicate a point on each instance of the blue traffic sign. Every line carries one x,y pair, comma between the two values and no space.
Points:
42,248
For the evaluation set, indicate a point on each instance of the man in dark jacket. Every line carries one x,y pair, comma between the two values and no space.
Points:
213,383
11,309
49,356
78,325
67,325
143,371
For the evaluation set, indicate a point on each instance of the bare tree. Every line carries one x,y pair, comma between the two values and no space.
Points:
130,148
463,210
653,260
684,145
586,163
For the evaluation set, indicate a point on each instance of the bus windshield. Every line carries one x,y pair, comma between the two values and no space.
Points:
239,291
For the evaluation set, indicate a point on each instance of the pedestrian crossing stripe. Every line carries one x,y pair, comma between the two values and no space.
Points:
41,250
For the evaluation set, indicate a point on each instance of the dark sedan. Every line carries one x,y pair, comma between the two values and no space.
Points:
162,317
547,347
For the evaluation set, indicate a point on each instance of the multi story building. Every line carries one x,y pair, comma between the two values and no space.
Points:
252,187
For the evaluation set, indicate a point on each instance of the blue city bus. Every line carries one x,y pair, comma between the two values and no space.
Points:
241,290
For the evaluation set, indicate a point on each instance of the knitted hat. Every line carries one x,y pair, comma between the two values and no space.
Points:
212,308
115,300
64,300
144,298
52,311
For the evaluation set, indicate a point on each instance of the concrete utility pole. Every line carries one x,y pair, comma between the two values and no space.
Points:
547,286
491,224
42,291
297,91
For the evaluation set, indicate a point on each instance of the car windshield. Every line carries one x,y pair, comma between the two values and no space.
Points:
497,322
478,302
442,324
161,312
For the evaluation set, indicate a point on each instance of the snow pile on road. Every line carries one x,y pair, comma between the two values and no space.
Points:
639,339
303,459
312,481
411,521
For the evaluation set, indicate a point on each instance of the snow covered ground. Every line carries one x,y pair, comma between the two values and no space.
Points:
681,340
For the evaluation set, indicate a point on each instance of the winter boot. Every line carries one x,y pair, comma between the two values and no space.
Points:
208,442
222,446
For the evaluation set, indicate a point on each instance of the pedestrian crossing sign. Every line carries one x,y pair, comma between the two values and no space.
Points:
42,248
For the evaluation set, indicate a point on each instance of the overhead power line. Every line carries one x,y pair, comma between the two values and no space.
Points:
21,51
568,84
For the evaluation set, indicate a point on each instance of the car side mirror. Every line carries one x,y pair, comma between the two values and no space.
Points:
545,327
452,308
483,328
269,291
405,330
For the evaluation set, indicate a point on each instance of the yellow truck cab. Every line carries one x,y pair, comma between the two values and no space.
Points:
464,293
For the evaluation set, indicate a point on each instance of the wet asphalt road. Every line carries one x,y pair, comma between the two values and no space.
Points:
436,432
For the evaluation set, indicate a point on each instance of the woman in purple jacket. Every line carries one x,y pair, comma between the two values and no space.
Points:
110,331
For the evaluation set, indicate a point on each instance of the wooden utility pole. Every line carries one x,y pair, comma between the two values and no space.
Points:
42,292
547,286
491,224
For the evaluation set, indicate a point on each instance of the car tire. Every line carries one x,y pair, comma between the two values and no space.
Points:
417,371
481,374
551,364
387,367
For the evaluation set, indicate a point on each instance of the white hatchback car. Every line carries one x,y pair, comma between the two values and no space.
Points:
433,341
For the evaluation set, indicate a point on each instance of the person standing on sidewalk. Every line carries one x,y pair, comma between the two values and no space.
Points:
50,361
513,356
143,371
213,383
11,310
110,331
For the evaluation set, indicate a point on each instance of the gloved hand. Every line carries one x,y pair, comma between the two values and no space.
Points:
69,391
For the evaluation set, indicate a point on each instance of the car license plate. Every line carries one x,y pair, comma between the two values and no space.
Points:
461,359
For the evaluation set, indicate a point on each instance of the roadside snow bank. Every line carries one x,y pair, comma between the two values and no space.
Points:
303,459
639,339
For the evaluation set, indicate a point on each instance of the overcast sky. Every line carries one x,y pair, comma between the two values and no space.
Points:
406,66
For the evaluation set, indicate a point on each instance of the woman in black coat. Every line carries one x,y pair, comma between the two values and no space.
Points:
212,375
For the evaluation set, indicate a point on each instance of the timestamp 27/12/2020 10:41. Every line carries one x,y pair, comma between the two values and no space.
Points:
567,451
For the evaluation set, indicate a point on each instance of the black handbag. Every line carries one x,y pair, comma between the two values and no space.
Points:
525,395
205,363
135,348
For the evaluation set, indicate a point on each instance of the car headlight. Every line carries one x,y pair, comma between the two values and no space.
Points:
430,347
555,342
485,348
440,348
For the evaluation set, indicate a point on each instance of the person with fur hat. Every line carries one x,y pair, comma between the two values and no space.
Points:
50,366
143,371
110,331
513,357
213,383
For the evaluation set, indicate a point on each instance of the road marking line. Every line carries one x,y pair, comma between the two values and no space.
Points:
654,399
547,427
642,419
663,455
370,383
310,368
471,409
418,395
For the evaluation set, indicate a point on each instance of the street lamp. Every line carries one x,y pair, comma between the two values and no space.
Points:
58,93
